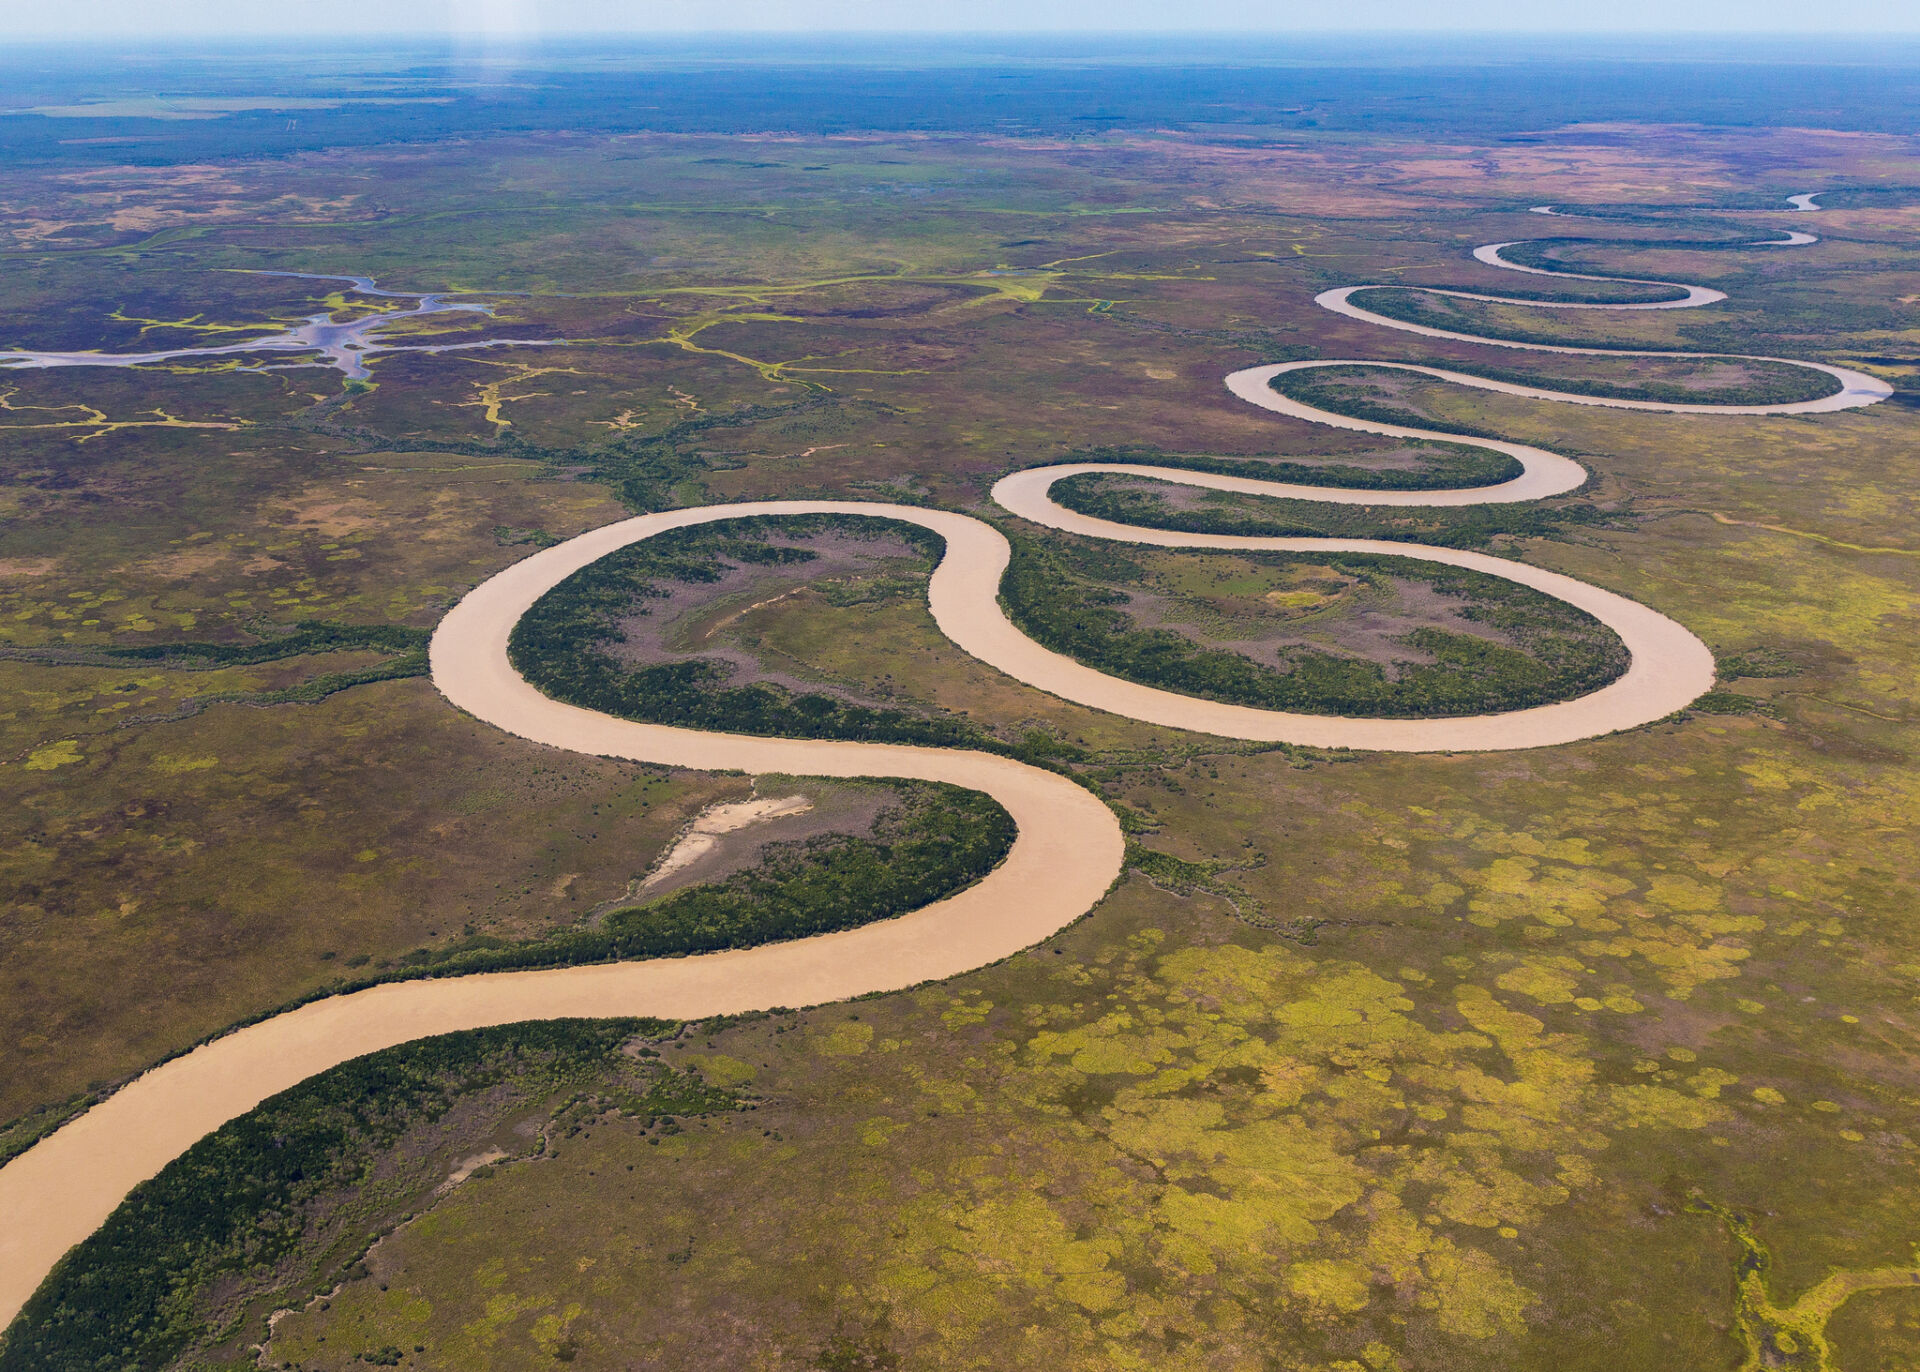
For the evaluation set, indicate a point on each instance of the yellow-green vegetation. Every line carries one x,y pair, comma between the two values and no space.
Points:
1794,1336
1394,1063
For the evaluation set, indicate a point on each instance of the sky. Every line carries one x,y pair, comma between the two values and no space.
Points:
147,19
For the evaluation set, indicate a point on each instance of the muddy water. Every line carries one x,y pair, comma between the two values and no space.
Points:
317,340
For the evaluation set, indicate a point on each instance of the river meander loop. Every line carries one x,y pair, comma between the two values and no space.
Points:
1069,850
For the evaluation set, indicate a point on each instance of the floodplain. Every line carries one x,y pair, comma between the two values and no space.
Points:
1596,1055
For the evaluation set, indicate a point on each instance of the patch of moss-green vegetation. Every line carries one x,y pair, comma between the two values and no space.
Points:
1068,596
663,470
1125,501
1786,321
281,1204
1343,389
940,840
1355,391
1444,467
406,649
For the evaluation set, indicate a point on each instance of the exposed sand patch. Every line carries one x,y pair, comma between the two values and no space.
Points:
833,807
703,835
466,1167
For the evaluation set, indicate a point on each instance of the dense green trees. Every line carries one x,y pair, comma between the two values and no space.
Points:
1773,383
1445,466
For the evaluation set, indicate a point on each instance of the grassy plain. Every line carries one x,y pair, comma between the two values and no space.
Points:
1373,1062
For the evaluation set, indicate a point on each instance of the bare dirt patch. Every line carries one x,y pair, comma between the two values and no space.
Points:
326,511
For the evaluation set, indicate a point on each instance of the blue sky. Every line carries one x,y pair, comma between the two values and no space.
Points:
529,18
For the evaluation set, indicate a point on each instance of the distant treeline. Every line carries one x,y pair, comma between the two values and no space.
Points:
1780,383
1361,83
1568,651
1447,466
1466,526
1332,388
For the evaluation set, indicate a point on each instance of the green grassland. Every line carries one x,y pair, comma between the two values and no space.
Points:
1370,1062
1129,500
1656,379
1436,467
1074,596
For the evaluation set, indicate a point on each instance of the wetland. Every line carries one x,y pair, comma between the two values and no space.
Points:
1581,1056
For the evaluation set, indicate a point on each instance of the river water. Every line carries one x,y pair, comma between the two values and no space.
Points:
325,343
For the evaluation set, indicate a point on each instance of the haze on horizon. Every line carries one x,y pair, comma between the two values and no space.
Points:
191,19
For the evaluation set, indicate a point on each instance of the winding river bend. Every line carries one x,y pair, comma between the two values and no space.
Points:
1069,850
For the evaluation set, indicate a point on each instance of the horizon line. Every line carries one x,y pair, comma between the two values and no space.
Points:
1860,35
